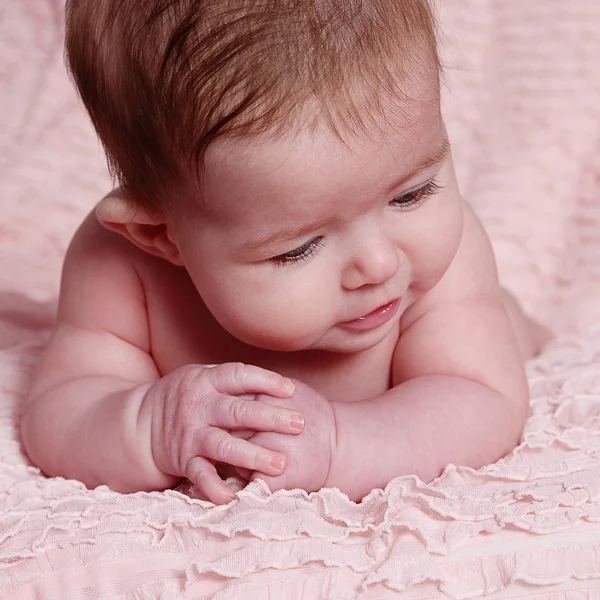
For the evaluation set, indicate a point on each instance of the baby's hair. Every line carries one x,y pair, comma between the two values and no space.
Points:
162,79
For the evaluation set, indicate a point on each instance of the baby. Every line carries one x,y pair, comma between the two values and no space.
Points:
287,284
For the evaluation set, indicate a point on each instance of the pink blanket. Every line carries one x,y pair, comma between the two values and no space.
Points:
523,109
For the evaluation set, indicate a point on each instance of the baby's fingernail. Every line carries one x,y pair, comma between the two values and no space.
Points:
288,386
297,422
278,462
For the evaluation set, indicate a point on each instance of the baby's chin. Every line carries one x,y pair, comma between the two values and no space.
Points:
279,341
332,341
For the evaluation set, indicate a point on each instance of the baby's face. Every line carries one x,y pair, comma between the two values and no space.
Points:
305,235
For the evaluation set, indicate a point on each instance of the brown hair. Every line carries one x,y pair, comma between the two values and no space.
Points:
161,79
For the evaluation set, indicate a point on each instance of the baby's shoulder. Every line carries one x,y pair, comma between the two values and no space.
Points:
473,271
93,241
98,257
97,253
110,284
100,273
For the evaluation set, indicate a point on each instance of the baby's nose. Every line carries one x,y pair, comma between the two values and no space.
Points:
372,263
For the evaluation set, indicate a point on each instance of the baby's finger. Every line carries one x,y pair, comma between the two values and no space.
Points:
203,474
218,445
232,413
238,378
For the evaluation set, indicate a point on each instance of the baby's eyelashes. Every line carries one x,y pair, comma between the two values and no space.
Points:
301,253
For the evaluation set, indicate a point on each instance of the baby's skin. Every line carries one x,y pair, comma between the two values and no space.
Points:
344,291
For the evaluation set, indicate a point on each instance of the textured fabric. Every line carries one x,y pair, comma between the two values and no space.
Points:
522,100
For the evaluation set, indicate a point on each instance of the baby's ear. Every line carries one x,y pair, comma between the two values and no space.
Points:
147,230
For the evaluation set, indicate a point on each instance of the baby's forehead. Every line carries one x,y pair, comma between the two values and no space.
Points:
404,129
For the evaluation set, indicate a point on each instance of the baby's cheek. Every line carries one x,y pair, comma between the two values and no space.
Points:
279,321
438,244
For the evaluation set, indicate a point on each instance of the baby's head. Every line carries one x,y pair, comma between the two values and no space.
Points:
288,153
162,79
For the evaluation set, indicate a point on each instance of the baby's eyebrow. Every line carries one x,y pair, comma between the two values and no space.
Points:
287,235
436,157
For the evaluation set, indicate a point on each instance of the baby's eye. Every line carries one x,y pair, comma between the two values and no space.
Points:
415,198
304,252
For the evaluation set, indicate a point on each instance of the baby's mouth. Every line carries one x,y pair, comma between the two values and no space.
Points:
375,318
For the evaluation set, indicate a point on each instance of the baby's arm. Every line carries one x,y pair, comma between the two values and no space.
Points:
420,425
460,392
98,410
433,419
82,407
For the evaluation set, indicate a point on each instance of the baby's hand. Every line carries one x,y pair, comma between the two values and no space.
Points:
192,410
309,454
